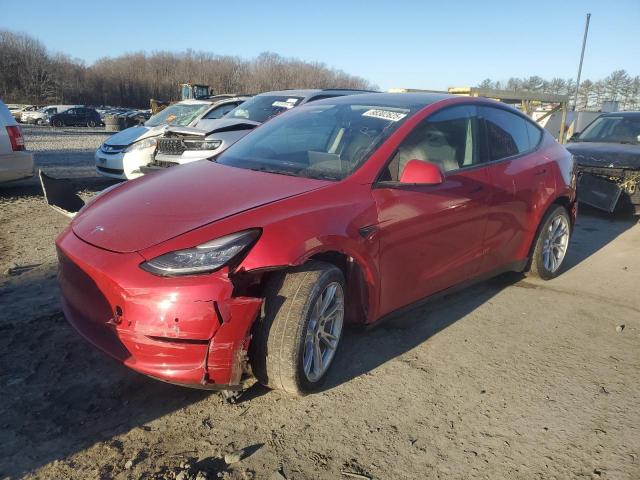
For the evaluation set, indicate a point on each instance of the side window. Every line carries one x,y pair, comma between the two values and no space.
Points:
506,133
220,111
72,111
535,135
446,138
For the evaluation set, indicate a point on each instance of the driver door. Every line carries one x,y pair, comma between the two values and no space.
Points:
431,236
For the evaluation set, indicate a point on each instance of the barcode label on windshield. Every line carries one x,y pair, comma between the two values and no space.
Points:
384,115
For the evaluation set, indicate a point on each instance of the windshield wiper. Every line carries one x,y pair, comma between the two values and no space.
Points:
273,170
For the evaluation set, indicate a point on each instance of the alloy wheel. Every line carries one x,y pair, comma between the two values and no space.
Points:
323,332
555,244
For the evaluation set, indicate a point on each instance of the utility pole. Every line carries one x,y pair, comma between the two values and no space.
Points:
584,44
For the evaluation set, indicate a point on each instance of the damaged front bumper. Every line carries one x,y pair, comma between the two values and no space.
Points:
609,188
184,330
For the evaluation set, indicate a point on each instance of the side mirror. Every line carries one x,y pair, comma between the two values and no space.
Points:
574,137
417,171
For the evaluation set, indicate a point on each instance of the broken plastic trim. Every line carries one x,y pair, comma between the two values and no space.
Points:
60,194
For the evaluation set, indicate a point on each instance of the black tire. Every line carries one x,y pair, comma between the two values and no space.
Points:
537,265
58,123
39,121
91,124
278,344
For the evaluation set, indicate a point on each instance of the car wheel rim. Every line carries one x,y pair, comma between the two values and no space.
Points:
323,332
555,243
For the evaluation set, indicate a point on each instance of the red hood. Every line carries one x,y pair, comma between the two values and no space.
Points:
163,205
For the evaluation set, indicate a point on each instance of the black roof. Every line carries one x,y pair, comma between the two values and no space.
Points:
621,114
412,101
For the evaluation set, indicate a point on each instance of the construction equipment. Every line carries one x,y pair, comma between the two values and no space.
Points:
188,91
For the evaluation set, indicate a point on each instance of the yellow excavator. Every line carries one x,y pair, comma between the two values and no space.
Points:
188,91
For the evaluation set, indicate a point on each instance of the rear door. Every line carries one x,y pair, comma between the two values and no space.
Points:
431,235
520,178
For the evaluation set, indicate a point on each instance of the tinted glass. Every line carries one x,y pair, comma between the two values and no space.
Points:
220,111
535,135
316,141
506,133
263,107
616,129
446,138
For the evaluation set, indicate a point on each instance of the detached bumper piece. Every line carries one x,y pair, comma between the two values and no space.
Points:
61,195
598,192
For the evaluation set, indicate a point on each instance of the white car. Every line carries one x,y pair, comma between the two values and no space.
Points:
210,137
40,116
122,154
15,161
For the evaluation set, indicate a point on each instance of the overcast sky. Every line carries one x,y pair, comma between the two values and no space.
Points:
419,44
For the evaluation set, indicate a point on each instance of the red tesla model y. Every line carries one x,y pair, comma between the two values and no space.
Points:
345,210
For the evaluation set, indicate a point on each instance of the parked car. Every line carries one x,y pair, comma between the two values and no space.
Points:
345,210
212,135
17,109
76,116
41,115
15,161
607,154
122,154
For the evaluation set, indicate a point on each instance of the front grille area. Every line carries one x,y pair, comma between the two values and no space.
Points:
171,146
163,164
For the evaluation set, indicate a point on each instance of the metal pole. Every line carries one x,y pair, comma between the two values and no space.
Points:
584,44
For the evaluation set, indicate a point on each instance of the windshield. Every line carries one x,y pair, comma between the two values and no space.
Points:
263,107
316,141
181,114
615,129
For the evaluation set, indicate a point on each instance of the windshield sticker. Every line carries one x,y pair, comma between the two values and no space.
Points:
384,115
282,104
292,100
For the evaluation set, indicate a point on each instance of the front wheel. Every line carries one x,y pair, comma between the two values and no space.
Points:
297,336
39,121
58,123
551,244
91,124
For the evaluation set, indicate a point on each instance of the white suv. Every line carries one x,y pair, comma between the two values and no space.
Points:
15,162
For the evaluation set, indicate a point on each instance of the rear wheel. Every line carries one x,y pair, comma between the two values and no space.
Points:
91,123
298,334
551,244
58,123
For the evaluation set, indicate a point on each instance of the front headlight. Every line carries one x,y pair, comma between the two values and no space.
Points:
142,144
207,257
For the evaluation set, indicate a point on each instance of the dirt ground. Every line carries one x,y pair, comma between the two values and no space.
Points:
512,378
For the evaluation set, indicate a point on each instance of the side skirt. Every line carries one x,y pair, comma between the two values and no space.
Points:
516,266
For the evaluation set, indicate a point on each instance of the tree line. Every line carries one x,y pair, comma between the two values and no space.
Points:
619,86
29,73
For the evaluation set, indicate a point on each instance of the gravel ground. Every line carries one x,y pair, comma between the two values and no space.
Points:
512,378
64,152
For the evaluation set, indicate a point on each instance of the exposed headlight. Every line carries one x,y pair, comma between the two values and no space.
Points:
202,144
207,257
211,145
142,144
